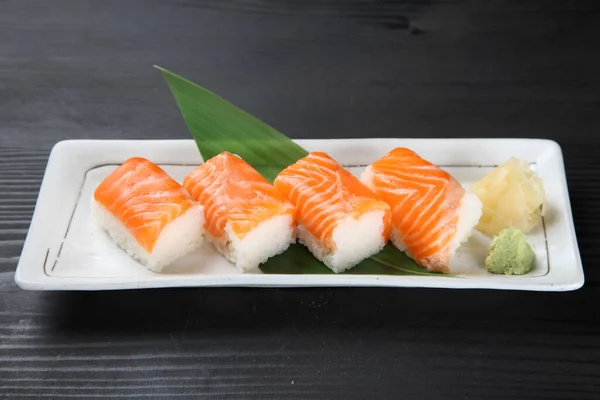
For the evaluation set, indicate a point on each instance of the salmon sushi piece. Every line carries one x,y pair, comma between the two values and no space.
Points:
148,214
432,213
340,220
247,219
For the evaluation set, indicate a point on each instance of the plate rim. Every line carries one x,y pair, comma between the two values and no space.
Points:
62,154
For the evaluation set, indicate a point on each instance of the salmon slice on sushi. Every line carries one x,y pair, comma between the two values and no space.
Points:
247,219
340,220
148,214
432,213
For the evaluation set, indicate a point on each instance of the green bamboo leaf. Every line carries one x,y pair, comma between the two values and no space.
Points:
390,261
217,125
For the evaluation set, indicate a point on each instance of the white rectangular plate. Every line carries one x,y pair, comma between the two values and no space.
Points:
65,250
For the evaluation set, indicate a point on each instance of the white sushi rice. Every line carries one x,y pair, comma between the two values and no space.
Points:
354,240
178,238
470,212
269,238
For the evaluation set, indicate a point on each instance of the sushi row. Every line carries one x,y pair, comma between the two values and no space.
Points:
340,218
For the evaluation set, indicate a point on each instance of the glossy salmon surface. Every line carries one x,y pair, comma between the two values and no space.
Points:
325,194
144,198
425,202
233,192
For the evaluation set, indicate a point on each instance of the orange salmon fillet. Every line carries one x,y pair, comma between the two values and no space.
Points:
325,194
233,192
425,202
144,198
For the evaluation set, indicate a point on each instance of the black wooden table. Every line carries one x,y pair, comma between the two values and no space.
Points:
313,69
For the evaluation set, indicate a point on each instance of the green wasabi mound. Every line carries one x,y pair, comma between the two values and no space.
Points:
510,253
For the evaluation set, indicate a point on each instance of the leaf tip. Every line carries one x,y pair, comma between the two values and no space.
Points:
161,69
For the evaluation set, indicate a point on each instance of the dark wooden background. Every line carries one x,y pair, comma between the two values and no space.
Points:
313,69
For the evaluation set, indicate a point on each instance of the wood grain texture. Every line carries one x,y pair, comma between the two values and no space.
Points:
313,69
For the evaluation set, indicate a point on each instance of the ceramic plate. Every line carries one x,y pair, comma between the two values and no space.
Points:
64,249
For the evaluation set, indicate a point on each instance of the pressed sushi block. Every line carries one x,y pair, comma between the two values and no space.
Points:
340,220
148,214
432,214
247,219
